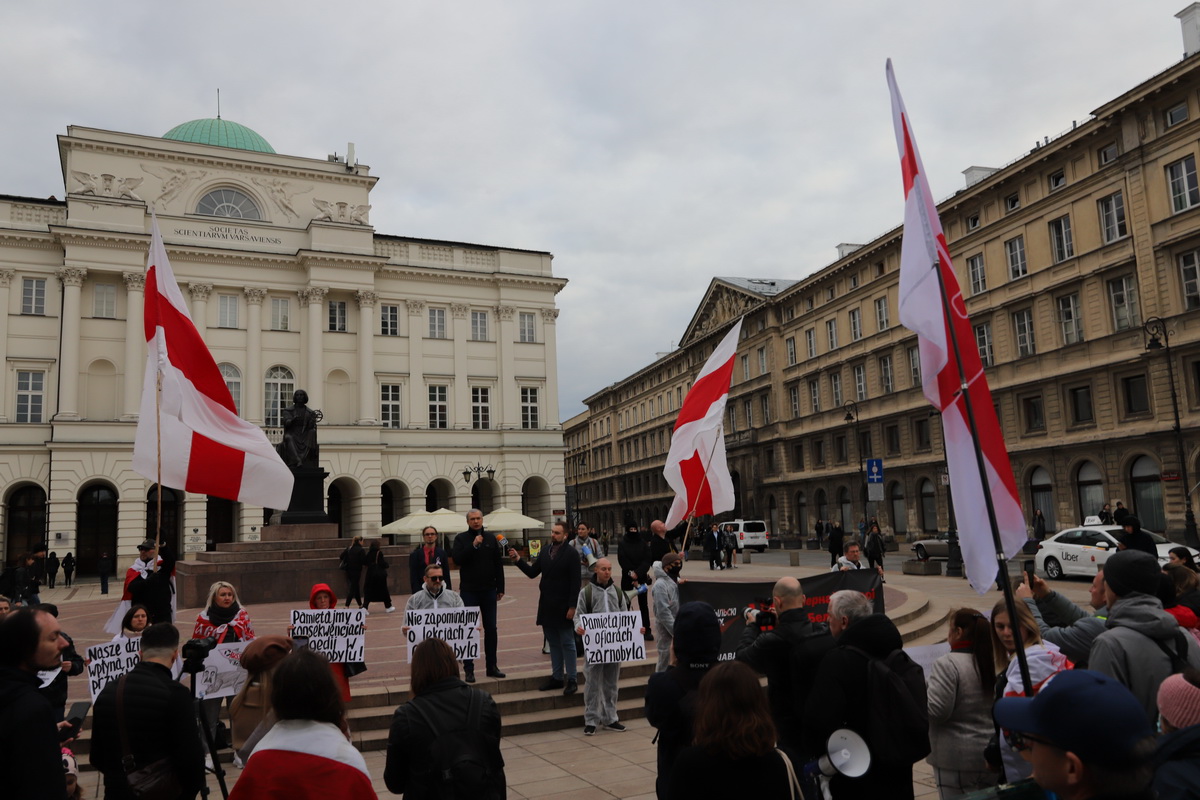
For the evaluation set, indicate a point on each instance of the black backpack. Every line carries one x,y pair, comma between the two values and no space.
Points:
898,733
461,758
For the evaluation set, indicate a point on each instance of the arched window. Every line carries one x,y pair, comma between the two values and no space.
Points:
233,382
1147,494
929,517
899,512
26,521
1041,492
228,203
277,394
95,527
1090,485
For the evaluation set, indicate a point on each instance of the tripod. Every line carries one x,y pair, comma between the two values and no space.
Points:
191,667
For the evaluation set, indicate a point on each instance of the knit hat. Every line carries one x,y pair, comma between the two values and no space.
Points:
1179,702
70,765
697,635
1132,571
264,652
670,560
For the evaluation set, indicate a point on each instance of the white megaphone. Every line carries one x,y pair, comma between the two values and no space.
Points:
846,754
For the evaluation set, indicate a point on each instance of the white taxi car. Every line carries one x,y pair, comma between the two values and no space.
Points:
1081,550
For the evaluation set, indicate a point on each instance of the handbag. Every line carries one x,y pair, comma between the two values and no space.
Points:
155,781
793,781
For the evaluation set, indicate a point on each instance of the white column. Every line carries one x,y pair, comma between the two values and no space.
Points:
549,328
313,381
200,293
6,276
368,405
462,392
135,348
510,396
418,399
68,364
252,380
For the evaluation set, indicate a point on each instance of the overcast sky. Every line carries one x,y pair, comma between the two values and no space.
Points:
650,146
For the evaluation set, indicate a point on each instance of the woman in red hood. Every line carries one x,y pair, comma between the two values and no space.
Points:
322,597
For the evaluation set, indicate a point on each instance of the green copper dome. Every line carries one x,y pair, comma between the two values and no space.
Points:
221,133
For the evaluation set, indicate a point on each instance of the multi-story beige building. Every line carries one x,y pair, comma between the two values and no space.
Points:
426,357
1064,257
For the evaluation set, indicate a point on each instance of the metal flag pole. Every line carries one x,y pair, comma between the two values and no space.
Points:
1001,559
158,450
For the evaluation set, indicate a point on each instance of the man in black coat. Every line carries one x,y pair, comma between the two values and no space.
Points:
425,554
633,556
480,583
558,565
160,719
712,547
353,559
30,753
153,588
836,540
789,656
1135,538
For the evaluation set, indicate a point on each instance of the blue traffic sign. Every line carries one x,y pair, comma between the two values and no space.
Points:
874,470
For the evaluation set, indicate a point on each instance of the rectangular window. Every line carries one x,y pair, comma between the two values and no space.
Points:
976,274
854,281
1014,251
769,461
983,340
1122,292
1175,115
914,364
227,311
437,323
891,438
439,407
1107,154
856,332
389,320
972,222
732,418
1035,415
881,314
1012,202
764,403
1061,245
281,309
748,410
1136,394
831,333
1181,179
33,296
104,301
530,419
794,400
814,396
886,382
1079,398
818,447
835,388
337,315
810,342
746,367
860,382
865,450
1112,217
798,457
921,433
481,408
840,454
1023,327
30,395
1057,180
389,405
479,326
525,327
790,344
1070,319
1189,268
762,361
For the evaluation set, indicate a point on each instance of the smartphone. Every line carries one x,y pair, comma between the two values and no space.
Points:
1030,568
75,716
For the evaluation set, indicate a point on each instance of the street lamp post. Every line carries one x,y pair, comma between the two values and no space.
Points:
851,408
1154,328
579,466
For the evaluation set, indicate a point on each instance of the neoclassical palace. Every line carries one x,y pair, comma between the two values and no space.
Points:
1080,265
425,357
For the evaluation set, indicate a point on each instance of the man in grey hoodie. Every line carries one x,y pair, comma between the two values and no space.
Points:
666,604
1142,644
1062,622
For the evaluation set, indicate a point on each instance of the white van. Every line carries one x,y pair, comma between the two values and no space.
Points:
751,533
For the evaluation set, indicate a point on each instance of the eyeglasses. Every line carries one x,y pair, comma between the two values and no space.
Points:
435,578
1024,741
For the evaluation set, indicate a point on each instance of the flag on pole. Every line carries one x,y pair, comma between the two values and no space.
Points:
696,467
206,447
921,310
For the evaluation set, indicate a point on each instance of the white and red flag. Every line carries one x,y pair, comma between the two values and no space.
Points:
923,256
696,467
206,447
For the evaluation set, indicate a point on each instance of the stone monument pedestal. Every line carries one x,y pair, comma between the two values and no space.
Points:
307,506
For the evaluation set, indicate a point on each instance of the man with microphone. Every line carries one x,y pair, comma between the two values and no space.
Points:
480,563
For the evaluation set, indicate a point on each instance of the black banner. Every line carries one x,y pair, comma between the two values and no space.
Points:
730,600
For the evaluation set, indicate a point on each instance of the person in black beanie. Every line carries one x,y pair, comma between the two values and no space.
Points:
671,695
633,556
1135,538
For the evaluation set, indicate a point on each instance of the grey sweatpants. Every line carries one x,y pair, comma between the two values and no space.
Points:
600,693
663,639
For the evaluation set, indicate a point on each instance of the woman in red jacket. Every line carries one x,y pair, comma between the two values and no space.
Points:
323,597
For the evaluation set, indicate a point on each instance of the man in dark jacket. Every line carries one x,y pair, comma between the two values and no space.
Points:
836,540
789,656
153,588
841,701
558,565
30,753
671,695
633,556
104,567
1135,538
160,719
354,558
422,556
480,583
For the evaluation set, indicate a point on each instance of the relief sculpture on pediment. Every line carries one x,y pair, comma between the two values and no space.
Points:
281,193
106,185
174,181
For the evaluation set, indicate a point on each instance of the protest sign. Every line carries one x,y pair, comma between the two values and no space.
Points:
339,634
109,661
612,637
457,627
223,674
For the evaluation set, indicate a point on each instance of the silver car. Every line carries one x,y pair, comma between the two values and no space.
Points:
936,546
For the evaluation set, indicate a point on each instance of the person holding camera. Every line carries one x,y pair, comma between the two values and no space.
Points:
783,644
148,717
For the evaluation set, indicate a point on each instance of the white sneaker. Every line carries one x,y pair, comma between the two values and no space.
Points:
391,609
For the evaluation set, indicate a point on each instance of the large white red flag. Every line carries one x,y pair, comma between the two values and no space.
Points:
923,256
206,447
696,467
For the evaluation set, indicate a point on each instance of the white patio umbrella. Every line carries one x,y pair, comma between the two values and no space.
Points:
443,519
505,519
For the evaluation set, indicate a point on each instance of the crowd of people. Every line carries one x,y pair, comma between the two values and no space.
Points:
1044,690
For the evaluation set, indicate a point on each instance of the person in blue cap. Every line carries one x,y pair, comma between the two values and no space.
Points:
1086,735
